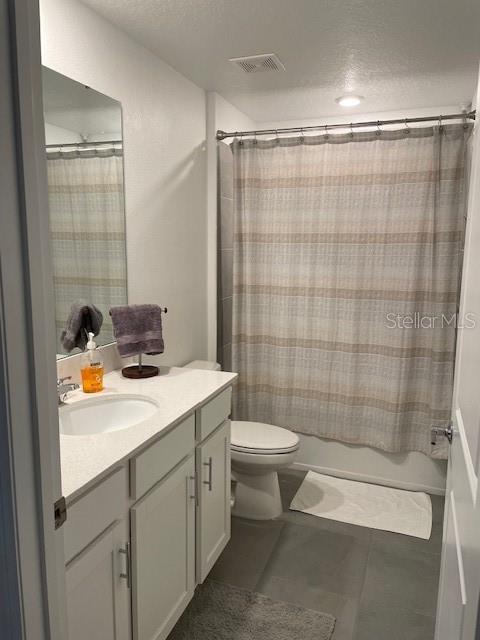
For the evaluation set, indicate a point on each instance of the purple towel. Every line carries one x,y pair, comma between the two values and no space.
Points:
138,329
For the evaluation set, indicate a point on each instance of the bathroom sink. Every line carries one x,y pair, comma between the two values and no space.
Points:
105,414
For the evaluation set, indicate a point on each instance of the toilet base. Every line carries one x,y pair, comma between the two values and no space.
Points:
257,497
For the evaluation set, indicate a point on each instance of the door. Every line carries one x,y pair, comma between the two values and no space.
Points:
213,520
97,589
31,551
163,553
460,575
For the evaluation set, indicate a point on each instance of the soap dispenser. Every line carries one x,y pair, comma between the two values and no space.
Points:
92,367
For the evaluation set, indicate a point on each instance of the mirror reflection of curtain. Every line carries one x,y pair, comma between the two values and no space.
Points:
88,230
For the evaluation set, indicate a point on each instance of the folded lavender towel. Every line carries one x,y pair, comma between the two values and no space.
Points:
83,318
138,329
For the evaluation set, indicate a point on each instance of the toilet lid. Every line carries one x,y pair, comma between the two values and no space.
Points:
258,437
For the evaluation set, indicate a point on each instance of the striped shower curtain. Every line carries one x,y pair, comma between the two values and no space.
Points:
347,259
87,224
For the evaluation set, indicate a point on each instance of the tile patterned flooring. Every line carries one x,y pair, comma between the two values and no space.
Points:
379,585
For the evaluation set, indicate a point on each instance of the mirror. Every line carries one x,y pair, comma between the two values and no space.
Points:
84,145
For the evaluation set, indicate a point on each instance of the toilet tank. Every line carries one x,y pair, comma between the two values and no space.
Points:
203,364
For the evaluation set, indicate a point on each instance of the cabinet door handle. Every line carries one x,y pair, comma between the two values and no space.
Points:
127,575
193,496
209,482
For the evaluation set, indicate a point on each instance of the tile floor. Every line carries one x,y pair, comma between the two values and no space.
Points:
379,585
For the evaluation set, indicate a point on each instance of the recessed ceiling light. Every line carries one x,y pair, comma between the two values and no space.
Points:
349,101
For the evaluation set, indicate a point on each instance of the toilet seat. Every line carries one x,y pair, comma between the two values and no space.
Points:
258,438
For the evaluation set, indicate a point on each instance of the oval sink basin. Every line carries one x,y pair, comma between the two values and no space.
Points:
105,414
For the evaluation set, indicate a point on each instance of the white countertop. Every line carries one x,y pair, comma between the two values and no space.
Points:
178,391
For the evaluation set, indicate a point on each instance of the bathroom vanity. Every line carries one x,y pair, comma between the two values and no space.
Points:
148,506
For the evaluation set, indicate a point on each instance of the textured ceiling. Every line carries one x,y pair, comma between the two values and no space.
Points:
399,54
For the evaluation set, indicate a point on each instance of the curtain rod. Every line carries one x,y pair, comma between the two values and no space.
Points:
84,144
221,135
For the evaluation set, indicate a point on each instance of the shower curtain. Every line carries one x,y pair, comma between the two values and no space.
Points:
87,224
347,259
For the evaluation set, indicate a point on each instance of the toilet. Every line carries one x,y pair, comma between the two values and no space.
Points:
258,451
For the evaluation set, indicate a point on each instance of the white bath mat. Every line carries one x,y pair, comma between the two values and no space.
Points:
366,505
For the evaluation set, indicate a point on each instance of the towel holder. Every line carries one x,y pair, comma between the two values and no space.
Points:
140,370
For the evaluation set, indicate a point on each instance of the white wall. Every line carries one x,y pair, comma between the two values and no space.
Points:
164,121
220,115
59,135
103,136
83,125
413,471
229,118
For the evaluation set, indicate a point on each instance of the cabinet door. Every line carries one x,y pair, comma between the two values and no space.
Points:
98,601
163,553
213,521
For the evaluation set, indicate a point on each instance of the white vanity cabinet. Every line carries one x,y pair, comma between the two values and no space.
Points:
139,542
213,521
98,598
181,526
163,553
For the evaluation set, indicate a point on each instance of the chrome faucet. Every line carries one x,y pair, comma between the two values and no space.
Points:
63,389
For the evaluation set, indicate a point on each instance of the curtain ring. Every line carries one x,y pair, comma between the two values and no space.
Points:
440,125
255,137
240,142
465,124
302,137
277,138
407,128
326,132
351,129
378,131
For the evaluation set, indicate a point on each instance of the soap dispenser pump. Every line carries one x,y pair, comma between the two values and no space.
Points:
92,367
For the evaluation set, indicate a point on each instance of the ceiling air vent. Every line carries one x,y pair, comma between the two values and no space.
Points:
263,62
